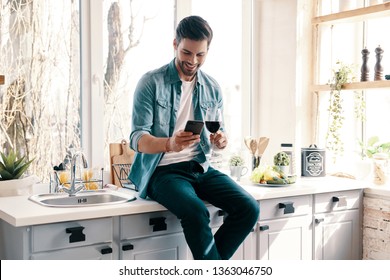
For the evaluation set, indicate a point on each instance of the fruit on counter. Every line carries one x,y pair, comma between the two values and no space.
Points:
91,186
266,174
87,175
64,178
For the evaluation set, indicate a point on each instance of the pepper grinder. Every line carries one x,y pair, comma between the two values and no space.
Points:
378,67
365,70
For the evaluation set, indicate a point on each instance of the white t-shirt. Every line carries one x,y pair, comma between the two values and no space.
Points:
185,113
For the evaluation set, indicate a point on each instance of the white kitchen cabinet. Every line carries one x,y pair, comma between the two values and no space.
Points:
163,247
84,239
308,223
152,236
284,229
101,251
337,232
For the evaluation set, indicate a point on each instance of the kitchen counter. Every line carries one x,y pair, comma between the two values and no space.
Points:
19,211
378,191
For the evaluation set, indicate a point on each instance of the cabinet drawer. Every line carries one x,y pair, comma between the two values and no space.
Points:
148,224
162,247
71,234
92,252
285,207
334,201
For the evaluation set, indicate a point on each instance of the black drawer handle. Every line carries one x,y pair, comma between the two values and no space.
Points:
341,200
263,228
319,220
221,213
158,223
76,234
287,206
106,251
127,247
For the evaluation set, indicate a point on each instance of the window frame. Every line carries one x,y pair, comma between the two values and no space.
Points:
91,19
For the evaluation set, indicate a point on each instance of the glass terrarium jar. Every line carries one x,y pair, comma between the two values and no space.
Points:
380,166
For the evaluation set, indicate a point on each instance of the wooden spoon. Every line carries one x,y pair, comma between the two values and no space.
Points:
253,146
247,141
262,145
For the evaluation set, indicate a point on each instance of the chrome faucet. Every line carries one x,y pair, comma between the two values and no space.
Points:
73,190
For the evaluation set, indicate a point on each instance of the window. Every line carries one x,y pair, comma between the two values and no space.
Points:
343,41
138,37
71,68
144,41
226,53
40,101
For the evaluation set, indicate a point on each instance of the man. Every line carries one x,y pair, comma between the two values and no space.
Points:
170,165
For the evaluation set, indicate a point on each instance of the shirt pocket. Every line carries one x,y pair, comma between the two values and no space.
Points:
206,105
163,112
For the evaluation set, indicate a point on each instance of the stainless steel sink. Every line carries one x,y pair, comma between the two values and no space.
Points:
82,198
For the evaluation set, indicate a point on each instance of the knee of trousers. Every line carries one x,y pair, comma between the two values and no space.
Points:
250,210
195,215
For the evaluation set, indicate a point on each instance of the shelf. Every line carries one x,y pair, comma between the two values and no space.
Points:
381,10
356,86
2,79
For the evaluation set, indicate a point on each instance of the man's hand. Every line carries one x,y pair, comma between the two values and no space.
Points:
219,139
181,140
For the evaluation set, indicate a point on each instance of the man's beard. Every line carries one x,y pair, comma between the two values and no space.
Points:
188,72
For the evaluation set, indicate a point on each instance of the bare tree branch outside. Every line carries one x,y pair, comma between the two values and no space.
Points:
40,57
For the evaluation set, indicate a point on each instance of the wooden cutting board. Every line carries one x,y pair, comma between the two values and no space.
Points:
120,153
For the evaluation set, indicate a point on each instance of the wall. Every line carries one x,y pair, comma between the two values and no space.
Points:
376,227
281,71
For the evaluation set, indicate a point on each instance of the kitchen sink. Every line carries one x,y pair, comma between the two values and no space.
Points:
82,198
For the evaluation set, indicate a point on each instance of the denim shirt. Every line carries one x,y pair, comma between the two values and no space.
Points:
155,107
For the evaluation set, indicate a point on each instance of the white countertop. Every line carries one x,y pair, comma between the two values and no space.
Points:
19,211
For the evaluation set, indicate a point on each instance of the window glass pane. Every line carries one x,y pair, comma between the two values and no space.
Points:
138,37
40,101
341,44
224,60
344,42
378,101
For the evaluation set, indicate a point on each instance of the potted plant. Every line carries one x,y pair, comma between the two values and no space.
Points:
282,161
236,160
342,74
12,171
374,146
368,150
236,166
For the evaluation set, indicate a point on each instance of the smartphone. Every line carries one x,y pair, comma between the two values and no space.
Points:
194,126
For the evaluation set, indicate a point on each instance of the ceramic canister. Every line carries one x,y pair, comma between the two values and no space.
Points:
313,161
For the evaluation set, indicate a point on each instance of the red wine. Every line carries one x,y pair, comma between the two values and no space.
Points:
213,126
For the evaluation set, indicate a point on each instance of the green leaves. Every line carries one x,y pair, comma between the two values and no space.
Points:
236,161
343,74
374,146
281,159
12,166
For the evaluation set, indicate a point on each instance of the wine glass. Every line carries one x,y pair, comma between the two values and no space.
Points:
213,123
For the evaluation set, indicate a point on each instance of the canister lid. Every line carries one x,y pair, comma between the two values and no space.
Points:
312,147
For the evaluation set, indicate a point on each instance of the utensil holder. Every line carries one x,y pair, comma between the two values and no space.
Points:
255,161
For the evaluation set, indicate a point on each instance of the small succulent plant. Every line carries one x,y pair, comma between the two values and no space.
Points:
281,159
236,161
12,166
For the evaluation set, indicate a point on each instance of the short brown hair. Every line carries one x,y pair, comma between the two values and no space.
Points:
194,28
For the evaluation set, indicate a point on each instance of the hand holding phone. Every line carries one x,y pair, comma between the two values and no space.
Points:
194,126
